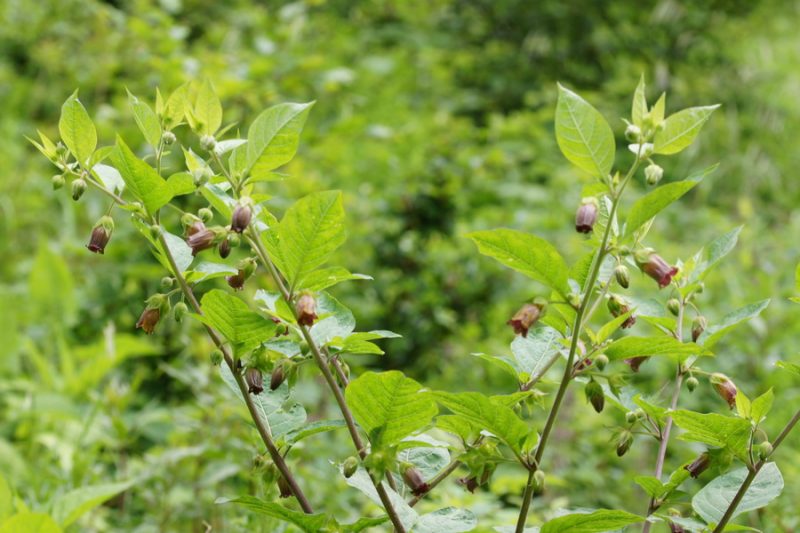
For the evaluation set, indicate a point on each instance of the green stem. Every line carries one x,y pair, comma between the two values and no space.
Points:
594,272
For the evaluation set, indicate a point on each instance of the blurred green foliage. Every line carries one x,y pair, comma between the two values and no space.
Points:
434,118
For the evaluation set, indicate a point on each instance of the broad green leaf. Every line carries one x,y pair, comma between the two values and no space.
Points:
389,406
70,506
110,177
713,500
583,135
715,332
273,138
639,107
594,522
312,229
207,109
742,404
141,179
449,519
704,260
77,129
311,523
314,428
146,119
361,481
761,406
336,320
287,419
651,485
429,461
659,108
328,277
180,183
655,201
714,429
480,411
681,128
207,270
229,315
179,250
792,368
525,253
535,353
175,107
27,522
627,347
610,327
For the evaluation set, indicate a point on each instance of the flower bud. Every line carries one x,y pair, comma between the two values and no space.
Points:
201,176
654,266
205,214
306,309
78,188
630,417
764,450
58,181
586,215
698,327
725,388
168,137
155,231
277,378
208,142
284,488
61,149
241,218
636,362
633,133
653,174
179,311
692,383
538,482
166,283
624,442
699,465
224,248
674,306
622,276
216,357
526,317
199,237
234,240
254,380
101,234
618,306
675,528
595,395
350,466
156,305
246,268
601,361
470,483
413,479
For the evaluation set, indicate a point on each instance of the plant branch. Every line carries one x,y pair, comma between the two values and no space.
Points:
322,363
438,478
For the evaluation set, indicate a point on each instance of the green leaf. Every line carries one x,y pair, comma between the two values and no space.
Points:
27,522
594,522
70,506
761,406
207,270
77,129
656,412
610,327
207,109
229,315
449,519
535,353
583,135
715,332
525,253
328,277
713,500
480,411
175,107
314,428
336,320
651,485
714,429
311,523
109,177
389,406
627,347
141,179
639,107
792,368
705,259
680,129
655,201
273,138
146,119
742,404
311,230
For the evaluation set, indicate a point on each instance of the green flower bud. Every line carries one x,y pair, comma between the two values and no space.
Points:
78,188
350,466
698,327
168,137
674,306
601,361
764,450
58,181
166,283
624,442
653,174
622,276
179,311
208,142
234,240
155,231
61,149
205,214
201,176
595,396
630,417
538,482
692,383
633,133
216,357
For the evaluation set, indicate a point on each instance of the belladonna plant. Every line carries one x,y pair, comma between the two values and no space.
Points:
408,440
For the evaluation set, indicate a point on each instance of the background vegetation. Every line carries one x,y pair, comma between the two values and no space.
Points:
435,118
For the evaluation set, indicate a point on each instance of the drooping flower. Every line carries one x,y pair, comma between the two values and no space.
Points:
654,266
199,237
586,215
699,465
241,218
527,316
254,380
306,309
101,234
618,306
725,388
